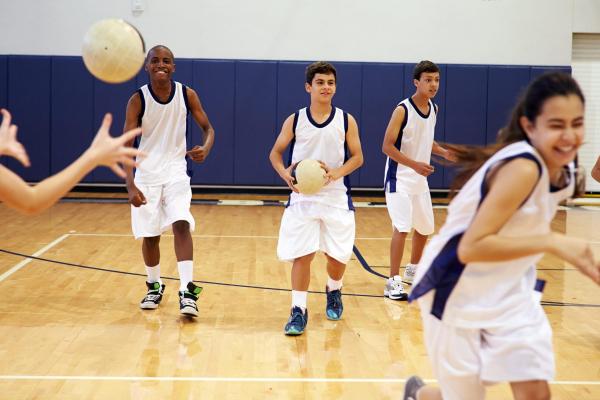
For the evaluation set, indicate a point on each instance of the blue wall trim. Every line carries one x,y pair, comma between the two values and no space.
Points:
58,106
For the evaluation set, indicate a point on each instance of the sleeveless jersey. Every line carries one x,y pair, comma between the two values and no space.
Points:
163,136
325,142
486,294
415,140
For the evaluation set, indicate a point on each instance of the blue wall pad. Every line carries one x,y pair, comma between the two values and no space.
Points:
58,106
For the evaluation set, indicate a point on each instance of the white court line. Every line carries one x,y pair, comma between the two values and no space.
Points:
241,236
28,260
235,379
217,236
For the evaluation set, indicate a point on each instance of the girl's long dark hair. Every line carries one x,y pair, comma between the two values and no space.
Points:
471,158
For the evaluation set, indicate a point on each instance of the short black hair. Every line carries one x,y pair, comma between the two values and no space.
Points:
424,66
159,46
319,67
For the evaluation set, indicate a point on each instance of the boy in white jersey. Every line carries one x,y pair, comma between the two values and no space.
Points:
408,143
476,286
160,194
323,221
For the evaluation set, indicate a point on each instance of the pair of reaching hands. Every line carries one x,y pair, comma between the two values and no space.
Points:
105,150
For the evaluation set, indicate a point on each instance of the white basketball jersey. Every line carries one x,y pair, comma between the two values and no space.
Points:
486,294
415,140
325,142
163,136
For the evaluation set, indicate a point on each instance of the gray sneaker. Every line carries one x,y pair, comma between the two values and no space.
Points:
409,273
411,387
394,289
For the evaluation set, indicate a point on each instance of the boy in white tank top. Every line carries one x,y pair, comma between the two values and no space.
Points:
160,194
408,143
323,221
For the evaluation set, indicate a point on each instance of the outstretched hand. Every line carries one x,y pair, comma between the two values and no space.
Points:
9,145
112,151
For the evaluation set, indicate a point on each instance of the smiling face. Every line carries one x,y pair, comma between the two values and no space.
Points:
557,131
322,88
160,64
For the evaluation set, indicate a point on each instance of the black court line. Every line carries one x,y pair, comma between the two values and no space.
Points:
356,251
170,278
546,303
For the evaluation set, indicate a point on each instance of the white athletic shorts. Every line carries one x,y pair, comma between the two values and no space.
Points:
466,360
409,211
307,227
165,204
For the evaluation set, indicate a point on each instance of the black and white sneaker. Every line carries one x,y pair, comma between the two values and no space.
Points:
153,296
187,300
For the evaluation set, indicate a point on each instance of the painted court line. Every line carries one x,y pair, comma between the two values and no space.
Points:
235,379
215,236
28,260
239,236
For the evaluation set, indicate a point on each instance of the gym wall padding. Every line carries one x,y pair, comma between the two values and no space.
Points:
58,106
29,85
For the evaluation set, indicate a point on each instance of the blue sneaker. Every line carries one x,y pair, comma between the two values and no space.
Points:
297,322
334,308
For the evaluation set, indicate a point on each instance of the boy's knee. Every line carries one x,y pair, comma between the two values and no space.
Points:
181,226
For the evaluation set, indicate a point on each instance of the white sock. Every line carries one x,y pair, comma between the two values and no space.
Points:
334,285
299,299
153,274
186,273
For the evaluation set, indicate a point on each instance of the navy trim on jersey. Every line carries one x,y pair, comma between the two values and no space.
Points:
393,165
540,284
419,111
442,275
292,144
567,170
185,98
345,122
347,179
296,117
435,107
324,124
171,95
142,109
484,188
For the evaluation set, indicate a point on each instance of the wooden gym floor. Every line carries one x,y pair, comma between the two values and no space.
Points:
72,329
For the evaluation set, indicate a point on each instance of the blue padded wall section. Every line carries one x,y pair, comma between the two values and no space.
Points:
348,96
58,106
383,89
539,70
3,81
72,112
214,82
29,102
110,98
436,180
255,117
291,96
466,107
505,85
